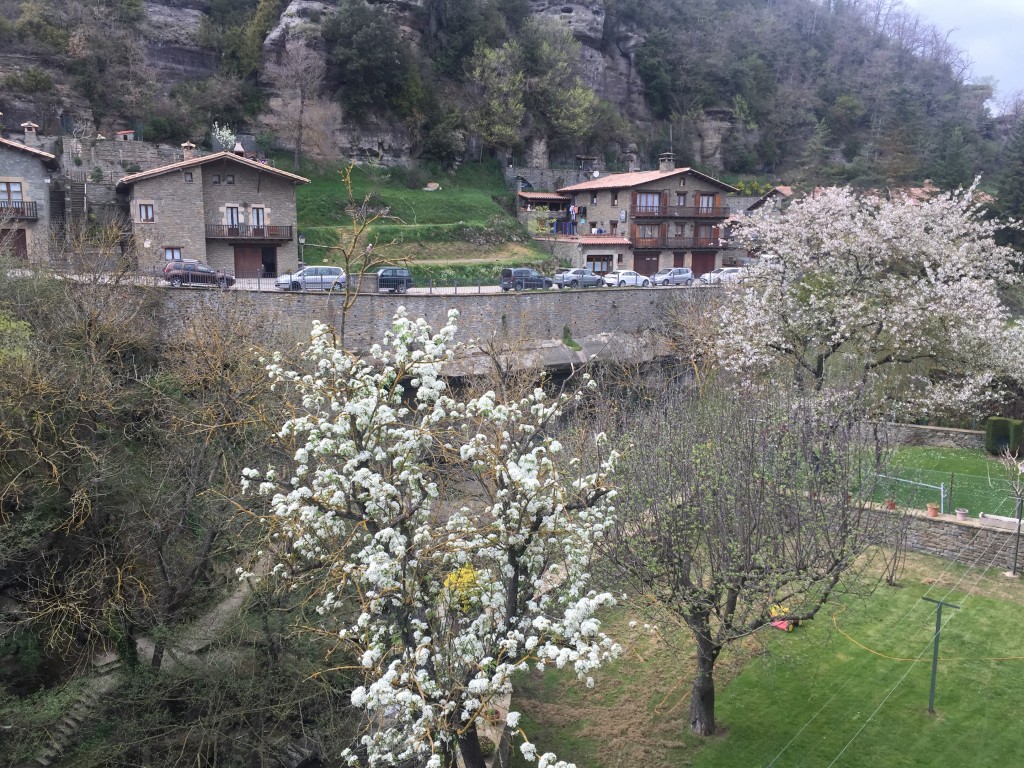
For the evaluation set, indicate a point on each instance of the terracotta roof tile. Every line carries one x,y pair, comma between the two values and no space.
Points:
544,196
195,161
603,240
45,156
637,178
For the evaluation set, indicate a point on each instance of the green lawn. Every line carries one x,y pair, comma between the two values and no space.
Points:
839,693
973,479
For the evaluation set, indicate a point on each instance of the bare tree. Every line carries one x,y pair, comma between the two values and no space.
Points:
733,508
299,78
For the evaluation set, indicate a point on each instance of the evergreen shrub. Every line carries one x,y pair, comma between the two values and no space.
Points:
1002,433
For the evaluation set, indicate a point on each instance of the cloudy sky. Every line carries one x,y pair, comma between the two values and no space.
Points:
991,31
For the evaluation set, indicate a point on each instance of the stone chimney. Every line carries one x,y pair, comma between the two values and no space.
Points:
30,132
239,149
666,162
188,150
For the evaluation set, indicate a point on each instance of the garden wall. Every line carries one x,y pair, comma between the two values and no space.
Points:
936,437
985,543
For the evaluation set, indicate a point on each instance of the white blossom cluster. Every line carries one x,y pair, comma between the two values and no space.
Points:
440,606
897,298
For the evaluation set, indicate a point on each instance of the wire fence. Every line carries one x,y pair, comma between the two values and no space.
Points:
914,488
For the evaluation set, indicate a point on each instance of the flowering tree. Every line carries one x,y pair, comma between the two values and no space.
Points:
439,596
896,298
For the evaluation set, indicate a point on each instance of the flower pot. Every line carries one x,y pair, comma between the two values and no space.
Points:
890,504
962,514
933,509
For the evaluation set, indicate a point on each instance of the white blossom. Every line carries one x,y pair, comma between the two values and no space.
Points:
360,508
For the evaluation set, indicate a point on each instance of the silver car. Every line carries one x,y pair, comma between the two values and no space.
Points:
673,276
312,279
626,277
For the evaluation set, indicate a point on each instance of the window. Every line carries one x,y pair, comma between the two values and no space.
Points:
231,216
679,229
613,227
172,254
215,179
257,216
10,192
681,199
593,198
146,213
706,202
704,234
615,197
646,231
648,202
188,176
229,179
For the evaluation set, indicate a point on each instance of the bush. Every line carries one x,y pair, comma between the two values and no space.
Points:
96,175
1002,433
32,80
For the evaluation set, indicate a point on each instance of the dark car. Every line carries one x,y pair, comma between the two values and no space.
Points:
394,279
522,278
179,273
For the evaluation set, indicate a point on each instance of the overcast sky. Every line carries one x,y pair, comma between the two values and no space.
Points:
992,33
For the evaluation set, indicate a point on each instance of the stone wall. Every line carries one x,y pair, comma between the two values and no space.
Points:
27,169
984,543
611,325
936,437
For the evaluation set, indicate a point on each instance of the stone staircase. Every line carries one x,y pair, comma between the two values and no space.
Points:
61,735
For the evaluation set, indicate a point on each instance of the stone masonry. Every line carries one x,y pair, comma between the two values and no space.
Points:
29,170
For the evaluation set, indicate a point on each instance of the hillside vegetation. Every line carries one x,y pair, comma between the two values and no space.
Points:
860,91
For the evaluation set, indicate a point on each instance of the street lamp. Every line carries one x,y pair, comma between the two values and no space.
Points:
302,250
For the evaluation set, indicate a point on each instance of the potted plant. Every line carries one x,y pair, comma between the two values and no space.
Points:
961,513
933,509
890,504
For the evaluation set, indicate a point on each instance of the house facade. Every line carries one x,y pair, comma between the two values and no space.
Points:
236,214
650,220
26,176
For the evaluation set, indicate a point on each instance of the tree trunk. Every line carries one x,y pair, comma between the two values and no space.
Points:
469,746
702,699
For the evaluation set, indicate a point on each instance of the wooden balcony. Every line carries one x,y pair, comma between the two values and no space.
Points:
678,212
18,209
248,232
675,243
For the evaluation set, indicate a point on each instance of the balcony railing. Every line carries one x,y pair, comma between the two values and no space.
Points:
679,212
677,243
18,209
247,232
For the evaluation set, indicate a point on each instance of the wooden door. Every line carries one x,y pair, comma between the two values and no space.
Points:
702,262
248,261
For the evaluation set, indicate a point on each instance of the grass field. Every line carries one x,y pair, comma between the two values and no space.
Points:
849,689
430,230
974,480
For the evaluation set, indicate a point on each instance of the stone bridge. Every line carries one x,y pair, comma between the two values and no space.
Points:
552,329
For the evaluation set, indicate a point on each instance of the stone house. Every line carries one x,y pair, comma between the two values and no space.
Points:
235,214
26,176
650,220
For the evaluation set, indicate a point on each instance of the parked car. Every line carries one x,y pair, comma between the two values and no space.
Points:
522,278
673,276
626,277
312,279
577,278
723,275
191,272
394,279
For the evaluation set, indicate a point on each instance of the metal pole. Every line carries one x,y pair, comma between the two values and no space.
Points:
1016,543
935,651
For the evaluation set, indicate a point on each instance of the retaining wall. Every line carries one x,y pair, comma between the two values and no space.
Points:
985,543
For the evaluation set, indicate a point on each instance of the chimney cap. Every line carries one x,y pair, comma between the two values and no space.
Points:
187,145
29,124
239,149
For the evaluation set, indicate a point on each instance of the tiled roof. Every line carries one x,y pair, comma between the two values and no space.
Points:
50,160
543,196
637,178
603,240
195,161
